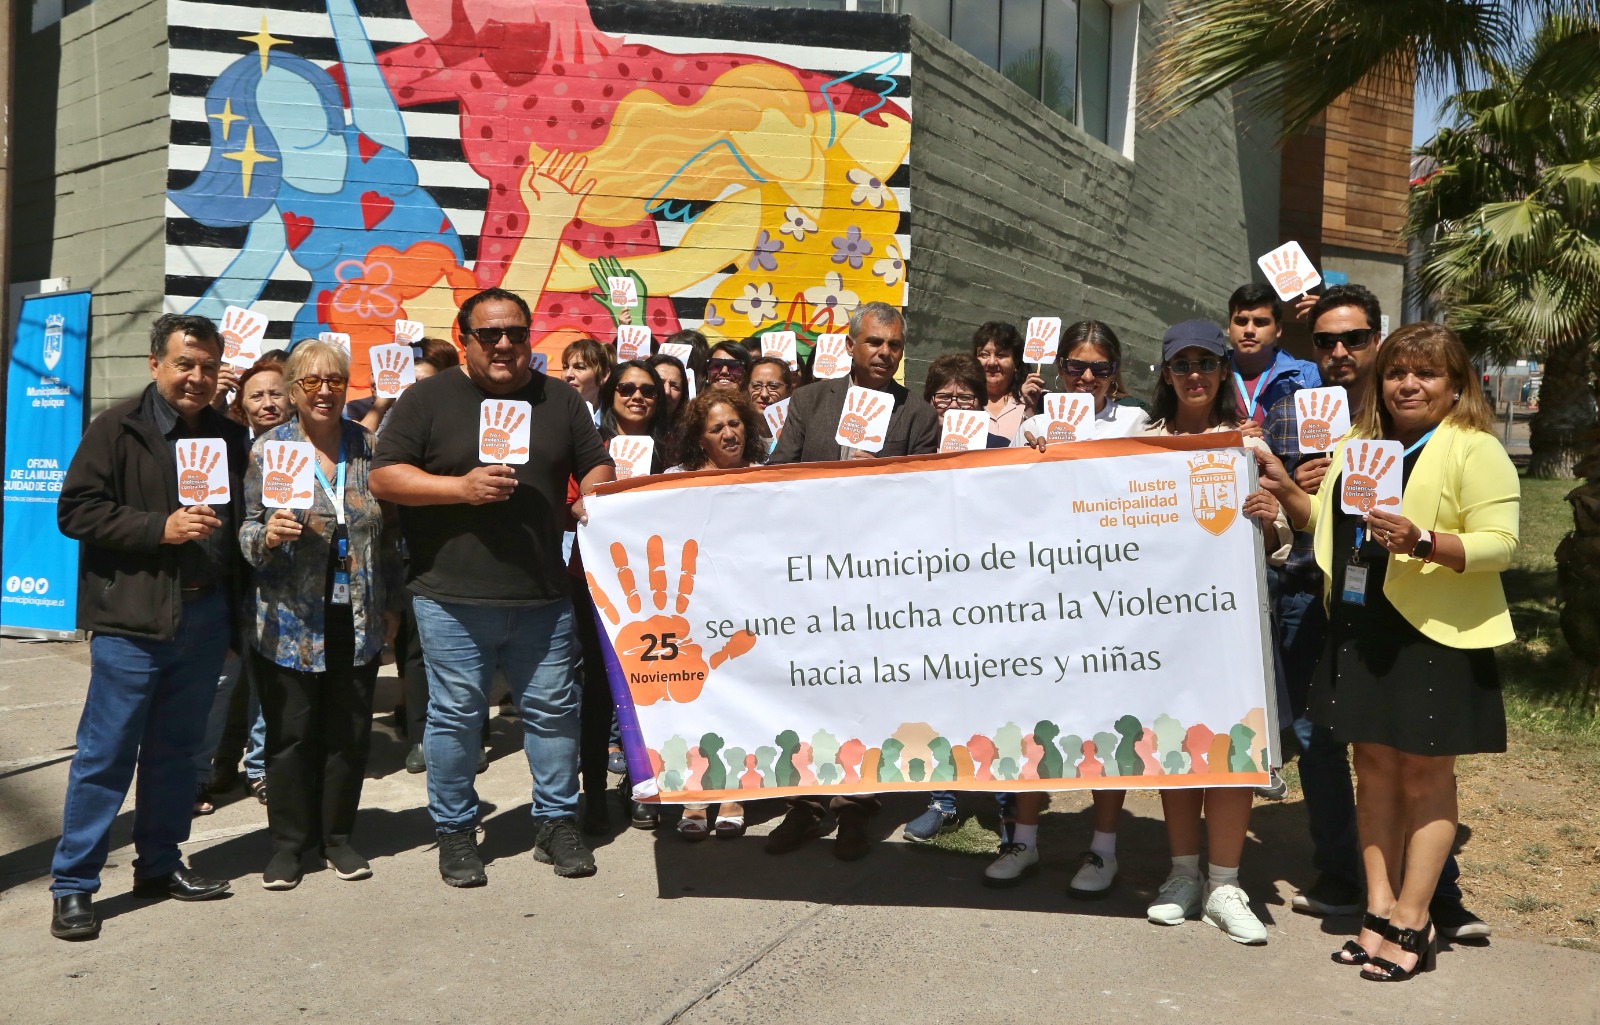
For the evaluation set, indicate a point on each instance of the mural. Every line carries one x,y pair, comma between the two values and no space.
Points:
339,168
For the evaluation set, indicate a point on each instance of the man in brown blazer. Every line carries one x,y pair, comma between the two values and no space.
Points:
877,343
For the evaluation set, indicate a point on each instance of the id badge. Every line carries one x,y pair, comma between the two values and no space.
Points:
1355,585
341,588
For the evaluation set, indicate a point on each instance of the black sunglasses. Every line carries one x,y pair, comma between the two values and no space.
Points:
627,388
492,335
1354,339
1078,367
731,366
1185,367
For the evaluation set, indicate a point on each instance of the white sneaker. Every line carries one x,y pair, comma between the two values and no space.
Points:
1094,877
1228,909
1178,899
1015,863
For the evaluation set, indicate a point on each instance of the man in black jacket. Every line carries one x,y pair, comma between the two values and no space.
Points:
156,582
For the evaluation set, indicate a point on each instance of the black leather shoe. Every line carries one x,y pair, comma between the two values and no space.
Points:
74,918
183,884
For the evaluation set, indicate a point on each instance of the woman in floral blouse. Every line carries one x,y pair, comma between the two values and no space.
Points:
327,588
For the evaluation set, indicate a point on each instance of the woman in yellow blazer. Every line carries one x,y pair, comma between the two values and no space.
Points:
1415,609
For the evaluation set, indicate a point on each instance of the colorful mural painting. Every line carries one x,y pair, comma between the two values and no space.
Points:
341,166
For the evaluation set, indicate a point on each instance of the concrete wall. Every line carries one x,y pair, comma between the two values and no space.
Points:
1018,213
1384,274
91,173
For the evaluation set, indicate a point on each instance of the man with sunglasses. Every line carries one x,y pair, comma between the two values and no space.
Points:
1344,333
487,578
1262,373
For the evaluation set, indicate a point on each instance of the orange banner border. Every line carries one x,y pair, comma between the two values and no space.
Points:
999,786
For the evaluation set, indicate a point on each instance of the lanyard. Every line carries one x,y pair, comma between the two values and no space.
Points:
1249,399
1419,443
335,497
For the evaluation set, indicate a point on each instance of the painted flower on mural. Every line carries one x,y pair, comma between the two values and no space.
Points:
869,188
851,248
831,296
758,303
713,318
764,257
364,290
892,267
797,224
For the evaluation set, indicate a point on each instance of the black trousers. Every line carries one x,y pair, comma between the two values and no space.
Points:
597,710
413,672
319,726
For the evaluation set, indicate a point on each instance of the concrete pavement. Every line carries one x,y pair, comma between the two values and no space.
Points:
673,932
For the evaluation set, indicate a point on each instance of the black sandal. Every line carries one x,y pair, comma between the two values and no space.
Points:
1423,942
258,789
1358,953
202,800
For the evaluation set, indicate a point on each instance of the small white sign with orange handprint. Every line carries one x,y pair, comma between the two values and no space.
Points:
394,369
1372,477
781,345
864,423
503,431
1289,271
776,415
655,648
338,338
202,472
1324,417
242,333
287,471
632,453
832,359
964,430
1068,416
624,293
1044,337
678,351
633,342
408,332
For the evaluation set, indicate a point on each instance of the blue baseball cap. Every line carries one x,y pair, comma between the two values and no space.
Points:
1193,334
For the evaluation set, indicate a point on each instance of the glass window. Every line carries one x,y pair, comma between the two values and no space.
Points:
1021,22
935,12
1094,68
1058,73
975,29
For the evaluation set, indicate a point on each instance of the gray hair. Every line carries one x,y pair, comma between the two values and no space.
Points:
877,312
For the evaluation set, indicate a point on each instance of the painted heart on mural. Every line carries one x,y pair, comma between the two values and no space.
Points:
366,147
297,228
375,206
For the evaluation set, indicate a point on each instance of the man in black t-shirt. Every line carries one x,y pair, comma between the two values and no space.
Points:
489,589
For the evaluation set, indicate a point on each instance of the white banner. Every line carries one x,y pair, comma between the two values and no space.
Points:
1090,616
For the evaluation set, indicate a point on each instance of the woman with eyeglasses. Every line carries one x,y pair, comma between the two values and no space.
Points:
1089,359
1011,393
327,589
585,365
771,381
631,404
955,381
674,382
728,367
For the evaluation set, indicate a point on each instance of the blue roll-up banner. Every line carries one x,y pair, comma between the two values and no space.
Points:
44,422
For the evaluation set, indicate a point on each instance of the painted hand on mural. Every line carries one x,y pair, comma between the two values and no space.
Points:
658,654
603,271
553,191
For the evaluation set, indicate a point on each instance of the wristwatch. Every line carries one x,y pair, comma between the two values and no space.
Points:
1424,547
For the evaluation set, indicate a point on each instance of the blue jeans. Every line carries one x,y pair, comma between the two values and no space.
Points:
234,669
533,646
146,711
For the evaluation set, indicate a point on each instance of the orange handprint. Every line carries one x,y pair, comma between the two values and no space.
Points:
194,472
408,332
239,330
1066,430
1316,430
961,431
659,658
386,367
1361,478
1042,333
859,412
777,415
279,469
632,456
499,424
1285,272
827,363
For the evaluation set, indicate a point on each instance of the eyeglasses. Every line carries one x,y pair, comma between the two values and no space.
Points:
516,335
312,385
1185,367
963,400
768,386
627,388
724,368
1354,340
1078,367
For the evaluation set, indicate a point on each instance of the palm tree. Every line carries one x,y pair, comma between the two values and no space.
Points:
1513,214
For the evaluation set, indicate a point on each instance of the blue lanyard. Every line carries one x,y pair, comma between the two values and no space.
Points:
336,499
1419,443
1250,400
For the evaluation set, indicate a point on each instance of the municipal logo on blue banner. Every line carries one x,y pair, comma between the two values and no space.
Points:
53,340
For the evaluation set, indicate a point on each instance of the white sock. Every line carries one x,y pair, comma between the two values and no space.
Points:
1185,865
1219,876
1027,836
1104,844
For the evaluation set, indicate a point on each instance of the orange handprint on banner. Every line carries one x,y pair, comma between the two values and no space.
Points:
1361,478
194,473
1041,339
279,469
630,454
1066,430
386,368
1285,272
777,415
239,329
499,424
858,415
962,432
1316,421
659,658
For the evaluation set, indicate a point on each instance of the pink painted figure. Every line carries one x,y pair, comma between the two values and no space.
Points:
850,754
1145,748
697,768
750,779
1197,745
802,765
983,754
1033,753
1090,767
